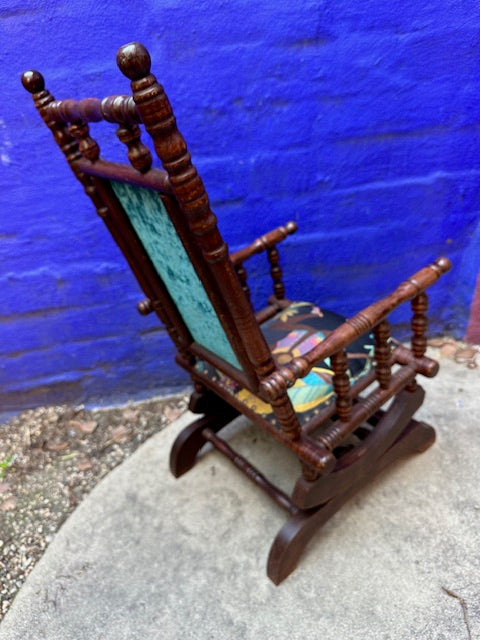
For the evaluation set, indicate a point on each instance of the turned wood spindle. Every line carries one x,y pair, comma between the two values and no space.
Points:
87,145
276,273
138,153
34,83
242,276
419,325
341,385
156,113
120,109
335,433
286,417
382,353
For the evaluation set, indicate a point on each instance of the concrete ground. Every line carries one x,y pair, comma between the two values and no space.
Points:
149,557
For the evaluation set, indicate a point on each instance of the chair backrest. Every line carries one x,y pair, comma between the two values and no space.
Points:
149,217
161,220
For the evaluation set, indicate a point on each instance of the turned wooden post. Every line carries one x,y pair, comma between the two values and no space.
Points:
419,326
66,136
138,154
242,276
34,83
382,353
333,435
87,146
220,279
341,385
157,115
276,273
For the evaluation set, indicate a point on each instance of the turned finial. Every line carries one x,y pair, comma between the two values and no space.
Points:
444,264
134,61
33,81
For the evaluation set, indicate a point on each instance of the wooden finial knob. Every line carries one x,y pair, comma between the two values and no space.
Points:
33,81
444,264
134,61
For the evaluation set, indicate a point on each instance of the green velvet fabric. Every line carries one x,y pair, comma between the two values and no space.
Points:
153,226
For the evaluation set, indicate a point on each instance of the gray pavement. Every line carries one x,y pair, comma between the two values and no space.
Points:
149,557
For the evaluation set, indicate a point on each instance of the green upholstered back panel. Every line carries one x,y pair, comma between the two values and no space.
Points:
153,226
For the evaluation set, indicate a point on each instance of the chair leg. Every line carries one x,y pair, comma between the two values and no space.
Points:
190,440
300,528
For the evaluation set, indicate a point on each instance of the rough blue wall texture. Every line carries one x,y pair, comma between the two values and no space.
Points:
357,119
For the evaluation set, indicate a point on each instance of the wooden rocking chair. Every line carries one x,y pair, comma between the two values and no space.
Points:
313,380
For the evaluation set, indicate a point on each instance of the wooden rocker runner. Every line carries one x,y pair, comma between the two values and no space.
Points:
313,380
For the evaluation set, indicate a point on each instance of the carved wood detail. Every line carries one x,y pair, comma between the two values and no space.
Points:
276,273
382,353
419,325
138,153
341,385
242,276
87,146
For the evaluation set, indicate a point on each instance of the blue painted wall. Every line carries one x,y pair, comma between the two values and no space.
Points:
357,119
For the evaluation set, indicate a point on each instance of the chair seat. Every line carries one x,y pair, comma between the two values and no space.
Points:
291,333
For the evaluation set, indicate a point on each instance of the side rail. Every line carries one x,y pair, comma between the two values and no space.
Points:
372,318
268,243
120,109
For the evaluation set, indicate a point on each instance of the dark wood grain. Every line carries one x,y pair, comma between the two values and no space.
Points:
263,243
382,353
138,154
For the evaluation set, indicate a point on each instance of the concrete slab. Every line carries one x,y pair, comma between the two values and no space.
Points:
146,556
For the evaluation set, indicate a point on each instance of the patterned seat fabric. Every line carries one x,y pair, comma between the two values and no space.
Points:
291,333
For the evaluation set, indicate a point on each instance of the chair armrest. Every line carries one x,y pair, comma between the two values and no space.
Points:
285,377
263,243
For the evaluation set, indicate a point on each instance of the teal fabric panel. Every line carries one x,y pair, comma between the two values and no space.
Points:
152,223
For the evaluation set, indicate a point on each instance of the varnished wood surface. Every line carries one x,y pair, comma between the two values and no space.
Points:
267,241
297,532
349,331
154,179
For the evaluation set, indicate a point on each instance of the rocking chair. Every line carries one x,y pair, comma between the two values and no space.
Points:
316,382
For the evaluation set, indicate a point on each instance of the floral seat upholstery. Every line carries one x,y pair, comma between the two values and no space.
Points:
291,333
